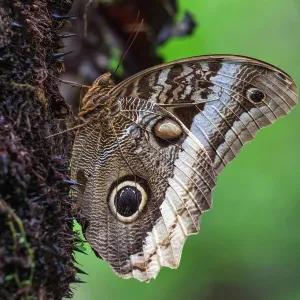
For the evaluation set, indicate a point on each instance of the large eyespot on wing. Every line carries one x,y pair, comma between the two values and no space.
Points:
150,183
128,197
230,98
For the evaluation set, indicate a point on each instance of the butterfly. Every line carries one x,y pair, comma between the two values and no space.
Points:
151,148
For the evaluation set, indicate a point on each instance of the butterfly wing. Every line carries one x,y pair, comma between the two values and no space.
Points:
223,100
145,188
149,169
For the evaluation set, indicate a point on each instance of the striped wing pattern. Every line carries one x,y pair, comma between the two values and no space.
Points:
220,115
218,103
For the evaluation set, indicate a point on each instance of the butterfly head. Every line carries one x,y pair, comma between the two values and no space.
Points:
97,96
104,81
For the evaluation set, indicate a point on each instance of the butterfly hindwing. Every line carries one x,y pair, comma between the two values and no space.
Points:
132,151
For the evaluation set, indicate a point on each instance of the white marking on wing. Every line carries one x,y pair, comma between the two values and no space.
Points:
179,214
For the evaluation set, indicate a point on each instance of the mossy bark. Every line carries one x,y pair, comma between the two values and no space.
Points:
36,235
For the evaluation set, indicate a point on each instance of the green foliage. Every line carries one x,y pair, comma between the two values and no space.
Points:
248,246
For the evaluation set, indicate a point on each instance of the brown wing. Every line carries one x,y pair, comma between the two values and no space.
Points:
145,189
223,100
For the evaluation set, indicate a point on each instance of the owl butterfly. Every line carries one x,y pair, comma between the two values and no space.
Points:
152,147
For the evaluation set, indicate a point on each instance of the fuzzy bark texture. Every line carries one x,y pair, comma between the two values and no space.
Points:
36,236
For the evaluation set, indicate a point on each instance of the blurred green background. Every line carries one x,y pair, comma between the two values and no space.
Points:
249,244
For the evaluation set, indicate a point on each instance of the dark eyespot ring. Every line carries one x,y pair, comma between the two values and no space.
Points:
255,95
127,199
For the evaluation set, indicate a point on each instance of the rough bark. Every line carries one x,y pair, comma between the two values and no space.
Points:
36,239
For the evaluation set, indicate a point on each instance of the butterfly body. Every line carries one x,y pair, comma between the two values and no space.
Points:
153,146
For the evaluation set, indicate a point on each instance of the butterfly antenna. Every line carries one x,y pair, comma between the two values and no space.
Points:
130,41
67,130
131,33
71,83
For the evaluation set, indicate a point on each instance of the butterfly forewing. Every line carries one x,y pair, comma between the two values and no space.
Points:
150,160
226,99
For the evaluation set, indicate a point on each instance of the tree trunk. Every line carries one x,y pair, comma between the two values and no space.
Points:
36,236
